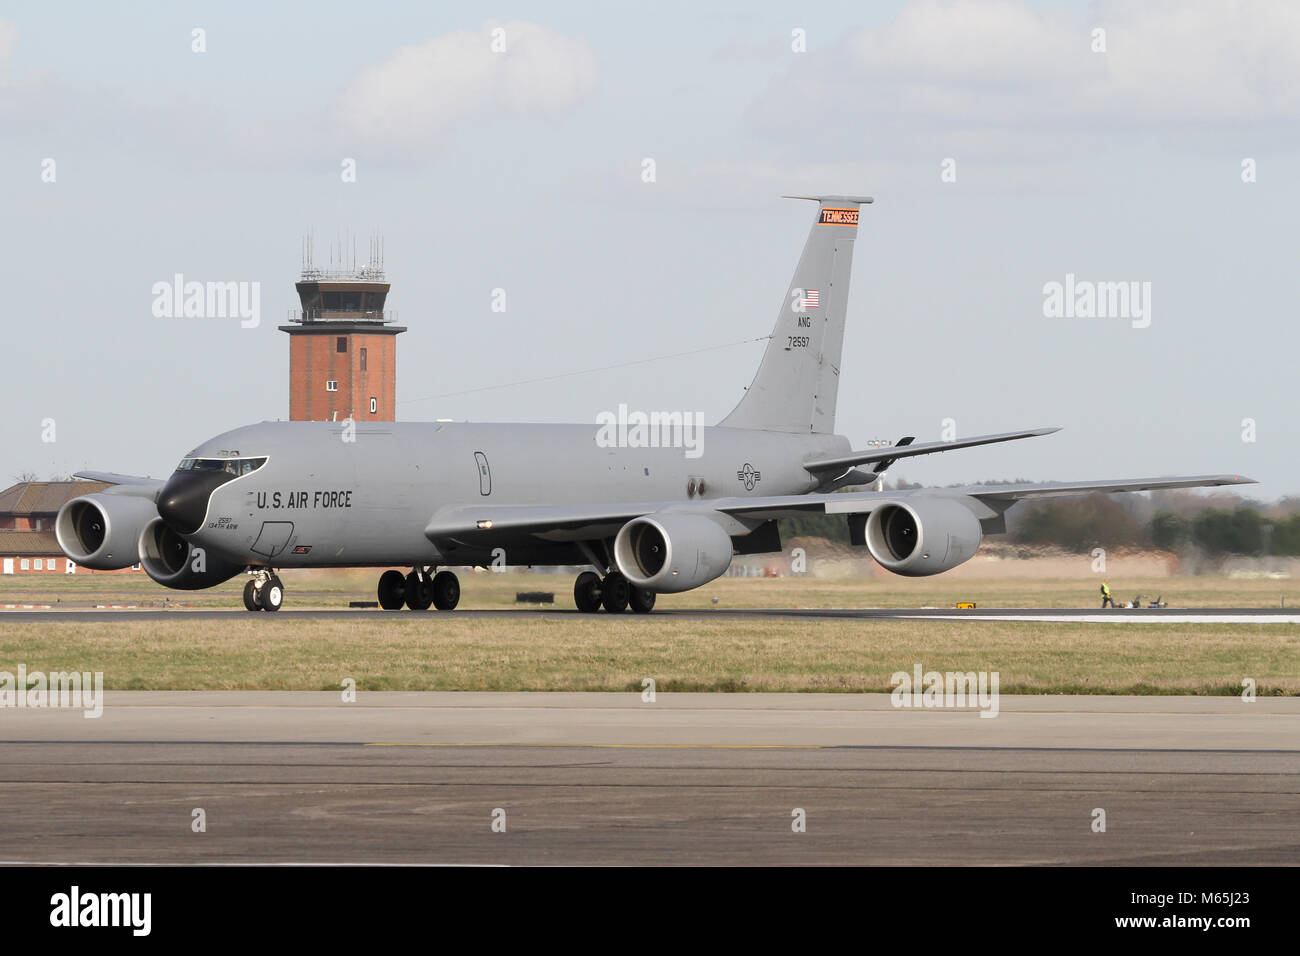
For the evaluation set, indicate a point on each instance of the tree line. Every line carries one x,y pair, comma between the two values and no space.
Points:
1182,522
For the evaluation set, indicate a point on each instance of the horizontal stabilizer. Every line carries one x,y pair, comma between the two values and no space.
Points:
864,200
893,452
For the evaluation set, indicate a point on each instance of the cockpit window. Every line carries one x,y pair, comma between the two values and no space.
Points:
232,466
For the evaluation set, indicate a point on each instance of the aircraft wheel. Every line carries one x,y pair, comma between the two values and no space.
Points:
446,591
272,596
419,592
641,600
614,592
392,590
586,592
250,596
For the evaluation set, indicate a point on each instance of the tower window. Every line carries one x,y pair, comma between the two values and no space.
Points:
331,386
374,405
363,358
342,344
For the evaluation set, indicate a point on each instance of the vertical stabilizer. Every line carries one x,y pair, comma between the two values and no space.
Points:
797,382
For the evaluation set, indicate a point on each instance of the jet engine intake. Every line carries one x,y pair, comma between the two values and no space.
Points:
101,531
175,563
920,536
667,552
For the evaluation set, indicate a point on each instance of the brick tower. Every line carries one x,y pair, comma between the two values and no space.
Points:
342,344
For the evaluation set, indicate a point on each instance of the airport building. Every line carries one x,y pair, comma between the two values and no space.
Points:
27,541
343,342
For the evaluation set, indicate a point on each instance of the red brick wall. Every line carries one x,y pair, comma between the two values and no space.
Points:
314,359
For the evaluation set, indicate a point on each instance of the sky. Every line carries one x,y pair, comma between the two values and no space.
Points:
1008,145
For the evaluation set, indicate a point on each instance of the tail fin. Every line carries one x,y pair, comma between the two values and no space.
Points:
796,384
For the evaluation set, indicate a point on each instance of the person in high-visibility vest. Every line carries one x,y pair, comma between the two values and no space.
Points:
1105,595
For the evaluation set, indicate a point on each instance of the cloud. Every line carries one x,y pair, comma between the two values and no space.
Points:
1167,61
419,92
999,78
8,38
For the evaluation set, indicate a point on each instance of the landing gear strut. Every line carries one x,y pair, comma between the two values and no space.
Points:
263,592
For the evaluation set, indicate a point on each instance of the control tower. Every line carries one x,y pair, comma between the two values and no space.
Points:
342,343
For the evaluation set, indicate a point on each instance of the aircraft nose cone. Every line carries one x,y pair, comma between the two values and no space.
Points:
183,501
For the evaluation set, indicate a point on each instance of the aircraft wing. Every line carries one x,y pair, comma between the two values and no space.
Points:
558,522
465,523
1055,489
133,485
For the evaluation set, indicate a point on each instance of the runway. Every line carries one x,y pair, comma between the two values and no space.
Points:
689,778
1059,615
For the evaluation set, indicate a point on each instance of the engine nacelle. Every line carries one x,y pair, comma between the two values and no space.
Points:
923,535
669,551
173,562
102,531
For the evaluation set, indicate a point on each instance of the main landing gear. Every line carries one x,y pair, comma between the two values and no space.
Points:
418,590
263,592
613,592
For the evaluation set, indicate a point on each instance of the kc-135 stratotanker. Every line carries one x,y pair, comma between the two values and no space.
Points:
646,520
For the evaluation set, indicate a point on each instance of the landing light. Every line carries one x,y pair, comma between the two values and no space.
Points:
484,525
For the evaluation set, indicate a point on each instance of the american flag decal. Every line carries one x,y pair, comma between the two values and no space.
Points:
812,299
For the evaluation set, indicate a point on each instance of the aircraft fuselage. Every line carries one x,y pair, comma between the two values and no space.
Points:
361,494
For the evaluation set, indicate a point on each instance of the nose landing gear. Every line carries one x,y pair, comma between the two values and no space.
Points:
263,592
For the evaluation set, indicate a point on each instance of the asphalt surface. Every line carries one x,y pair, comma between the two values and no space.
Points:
1062,615
689,778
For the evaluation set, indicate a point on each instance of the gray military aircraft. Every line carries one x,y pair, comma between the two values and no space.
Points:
646,516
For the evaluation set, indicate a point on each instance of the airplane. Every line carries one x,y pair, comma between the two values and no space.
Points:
643,520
